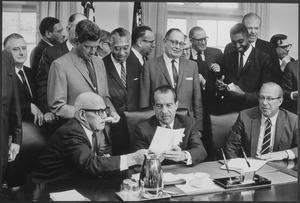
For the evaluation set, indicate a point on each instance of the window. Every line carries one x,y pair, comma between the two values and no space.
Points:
20,17
215,18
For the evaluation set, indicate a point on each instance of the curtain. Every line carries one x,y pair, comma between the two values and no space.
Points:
155,16
263,10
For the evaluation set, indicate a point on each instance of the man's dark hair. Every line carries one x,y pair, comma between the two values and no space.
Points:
251,15
121,32
73,17
12,36
139,32
277,39
104,36
47,24
193,30
172,30
87,30
239,28
164,89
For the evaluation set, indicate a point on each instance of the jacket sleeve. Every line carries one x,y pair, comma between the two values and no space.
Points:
145,86
197,99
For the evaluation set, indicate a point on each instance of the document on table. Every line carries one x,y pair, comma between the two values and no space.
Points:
165,138
69,195
241,164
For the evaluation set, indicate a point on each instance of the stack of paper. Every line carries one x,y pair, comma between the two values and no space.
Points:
241,164
69,195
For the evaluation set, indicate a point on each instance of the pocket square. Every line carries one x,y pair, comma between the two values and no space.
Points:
136,78
189,78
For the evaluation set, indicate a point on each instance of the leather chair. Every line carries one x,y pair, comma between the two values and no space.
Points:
34,141
135,117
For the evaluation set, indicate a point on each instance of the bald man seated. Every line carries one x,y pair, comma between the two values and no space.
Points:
75,151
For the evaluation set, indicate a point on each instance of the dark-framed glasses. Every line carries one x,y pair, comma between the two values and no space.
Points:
149,41
268,99
204,39
285,46
99,112
176,43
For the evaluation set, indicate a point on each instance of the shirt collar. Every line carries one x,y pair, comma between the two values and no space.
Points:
168,59
248,51
138,55
69,45
164,125
88,132
253,43
18,69
273,118
48,42
116,63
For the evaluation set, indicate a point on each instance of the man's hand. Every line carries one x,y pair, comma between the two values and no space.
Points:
49,117
116,116
236,90
273,156
285,61
215,67
220,85
175,154
13,151
202,81
136,158
295,95
38,115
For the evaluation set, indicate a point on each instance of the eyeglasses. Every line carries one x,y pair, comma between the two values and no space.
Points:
268,99
286,46
200,40
176,43
186,49
99,112
148,41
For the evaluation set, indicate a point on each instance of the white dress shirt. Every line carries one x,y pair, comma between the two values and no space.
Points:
118,65
246,55
195,54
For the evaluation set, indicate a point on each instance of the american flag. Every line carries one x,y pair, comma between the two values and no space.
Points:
89,10
137,15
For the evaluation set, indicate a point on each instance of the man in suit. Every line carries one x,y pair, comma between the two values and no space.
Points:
283,47
123,74
266,132
48,56
186,51
253,24
51,34
290,86
244,71
75,152
171,69
11,120
16,45
104,44
190,150
143,43
78,71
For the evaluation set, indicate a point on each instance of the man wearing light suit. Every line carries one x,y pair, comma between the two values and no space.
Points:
252,127
171,69
124,93
78,71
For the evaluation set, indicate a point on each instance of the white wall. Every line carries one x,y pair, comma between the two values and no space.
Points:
285,20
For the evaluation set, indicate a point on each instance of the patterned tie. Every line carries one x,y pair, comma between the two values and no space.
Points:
123,75
267,138
199,57
26,86
175,75
94,144
91,72
241,64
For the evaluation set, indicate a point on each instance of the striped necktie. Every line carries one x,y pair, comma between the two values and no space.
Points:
123,75
175,75
267,138
92,73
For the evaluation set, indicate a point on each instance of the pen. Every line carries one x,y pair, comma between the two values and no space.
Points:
227,168
245,157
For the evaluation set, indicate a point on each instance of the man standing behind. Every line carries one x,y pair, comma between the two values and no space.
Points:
266,132
190,150
123,73
104,44
171,69
142,43
52,33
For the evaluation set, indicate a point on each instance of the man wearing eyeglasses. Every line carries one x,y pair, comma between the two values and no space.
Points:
75,152
283,48
171,69
123,76
266,132
142,43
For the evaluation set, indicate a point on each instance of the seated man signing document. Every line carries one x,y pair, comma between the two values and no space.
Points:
190,150
266,132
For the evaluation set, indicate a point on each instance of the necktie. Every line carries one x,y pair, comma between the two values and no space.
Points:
267,138
123,75
94,144
175,75
199,57
26,86
241,64
91,73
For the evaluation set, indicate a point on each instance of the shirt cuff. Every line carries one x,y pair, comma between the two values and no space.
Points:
292,97
290,154
189,158
123,163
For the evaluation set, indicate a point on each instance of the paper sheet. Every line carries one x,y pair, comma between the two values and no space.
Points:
165,138
69,195
241,164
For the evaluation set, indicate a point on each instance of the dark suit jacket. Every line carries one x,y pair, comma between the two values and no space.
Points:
25,97
255,72
70,155
154,73
269,49
123,99
49,55
191,142
36,55
290,84
245,132
135,58
11,114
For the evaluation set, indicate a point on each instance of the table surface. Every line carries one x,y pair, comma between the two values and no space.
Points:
103,189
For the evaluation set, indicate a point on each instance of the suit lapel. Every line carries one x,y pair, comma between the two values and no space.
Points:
129,79
249,60
182,64
164,70
112,69
278,130
255,130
